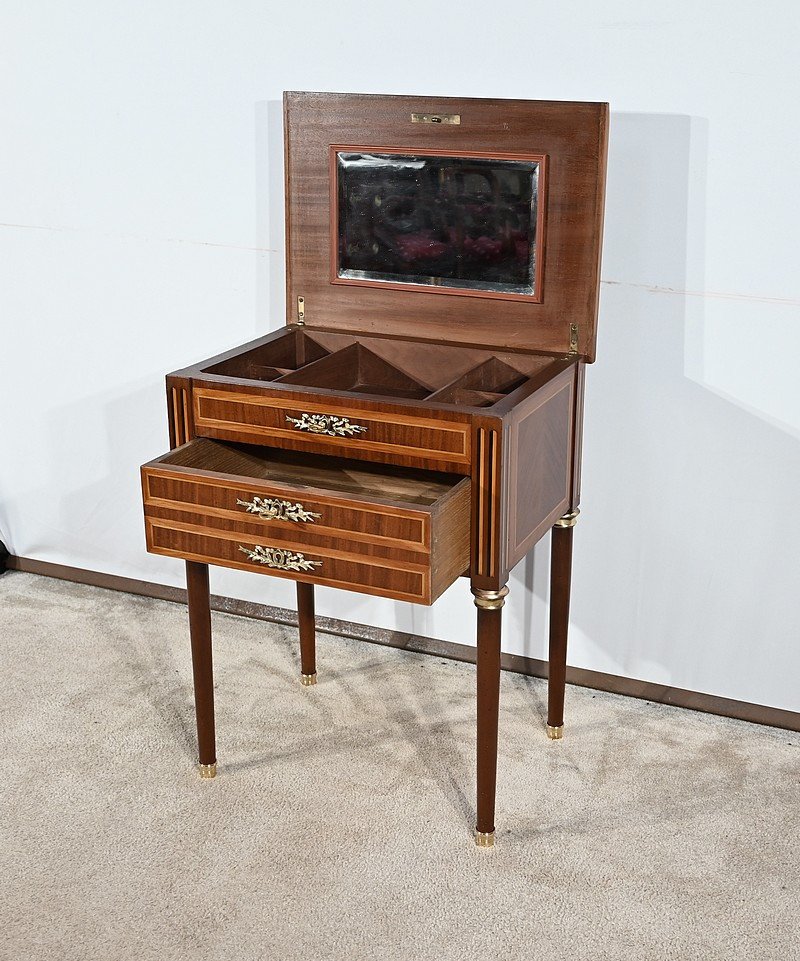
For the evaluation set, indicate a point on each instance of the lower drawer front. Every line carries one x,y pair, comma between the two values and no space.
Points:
407,582
385,531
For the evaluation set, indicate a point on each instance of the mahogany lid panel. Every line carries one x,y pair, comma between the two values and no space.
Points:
572,139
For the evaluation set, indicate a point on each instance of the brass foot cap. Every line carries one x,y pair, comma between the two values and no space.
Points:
208,770
308,680
484,840
555,733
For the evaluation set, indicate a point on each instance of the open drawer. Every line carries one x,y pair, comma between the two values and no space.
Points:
389,531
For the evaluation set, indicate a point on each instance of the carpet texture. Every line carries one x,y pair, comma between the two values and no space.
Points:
340,824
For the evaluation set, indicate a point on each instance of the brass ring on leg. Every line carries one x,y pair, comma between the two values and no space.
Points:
208,770
484,839
308,680
555,731
489,600
568,520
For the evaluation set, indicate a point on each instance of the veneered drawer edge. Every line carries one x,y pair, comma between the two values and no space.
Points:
283,430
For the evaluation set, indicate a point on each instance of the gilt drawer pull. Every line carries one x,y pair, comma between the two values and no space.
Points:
326,424
280,559
274,509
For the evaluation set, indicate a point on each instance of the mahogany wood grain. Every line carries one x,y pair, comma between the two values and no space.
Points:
573,137
313,356
488,705
202,664
560,579
488,557
540,456
307,627
404,533
179,410
427,438
353,572
356,368
577,436
472,403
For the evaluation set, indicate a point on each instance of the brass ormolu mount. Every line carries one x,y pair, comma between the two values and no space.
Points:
489,600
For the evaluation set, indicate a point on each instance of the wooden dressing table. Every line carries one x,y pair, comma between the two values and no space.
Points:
419,418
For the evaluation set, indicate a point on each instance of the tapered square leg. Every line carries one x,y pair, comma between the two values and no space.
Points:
489,604
305,619
202,665
560,582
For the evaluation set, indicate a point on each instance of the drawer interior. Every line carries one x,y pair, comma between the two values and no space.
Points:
442,373
310,471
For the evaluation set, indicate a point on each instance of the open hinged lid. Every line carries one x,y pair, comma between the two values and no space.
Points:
466,221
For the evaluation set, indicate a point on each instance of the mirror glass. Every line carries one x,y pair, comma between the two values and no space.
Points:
459,222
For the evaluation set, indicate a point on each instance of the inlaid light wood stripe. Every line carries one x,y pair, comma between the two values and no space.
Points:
479,442
365,537
194,475
176,419
492,490
185,414
422,595
270,541
487,444
459,455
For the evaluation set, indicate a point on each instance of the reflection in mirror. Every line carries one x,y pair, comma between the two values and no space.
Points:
460,222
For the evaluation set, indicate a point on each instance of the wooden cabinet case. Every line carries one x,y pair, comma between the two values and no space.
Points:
419,416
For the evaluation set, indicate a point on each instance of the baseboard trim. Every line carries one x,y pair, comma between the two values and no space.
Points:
531,666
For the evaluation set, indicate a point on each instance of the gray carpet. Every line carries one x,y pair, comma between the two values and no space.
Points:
340,823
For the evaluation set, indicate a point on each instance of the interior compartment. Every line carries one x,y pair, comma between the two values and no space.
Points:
303,470
470,398
358,369
481,386
385,367
270,361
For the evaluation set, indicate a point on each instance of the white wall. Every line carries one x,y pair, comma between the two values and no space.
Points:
140,180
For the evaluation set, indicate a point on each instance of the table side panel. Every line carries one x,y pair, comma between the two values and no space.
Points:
540,460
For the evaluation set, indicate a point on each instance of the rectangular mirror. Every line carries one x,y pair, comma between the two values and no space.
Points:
468,224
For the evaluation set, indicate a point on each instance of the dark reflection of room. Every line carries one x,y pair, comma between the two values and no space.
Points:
457,222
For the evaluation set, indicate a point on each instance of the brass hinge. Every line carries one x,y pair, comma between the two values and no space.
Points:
573,340
301,311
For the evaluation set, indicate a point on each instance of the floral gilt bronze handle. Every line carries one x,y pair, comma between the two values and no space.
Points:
326,424
279,559
274,509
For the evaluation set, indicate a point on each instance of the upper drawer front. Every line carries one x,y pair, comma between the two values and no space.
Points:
333,426
268,510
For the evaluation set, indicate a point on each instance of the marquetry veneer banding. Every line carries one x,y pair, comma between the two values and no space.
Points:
260,418
410,547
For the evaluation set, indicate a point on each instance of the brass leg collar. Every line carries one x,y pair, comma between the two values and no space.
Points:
568,520
555,732
308,680
208,770
490,600
484,840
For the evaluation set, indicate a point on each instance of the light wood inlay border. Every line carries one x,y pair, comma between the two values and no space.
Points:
460,455
420,596
319,527
368,560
